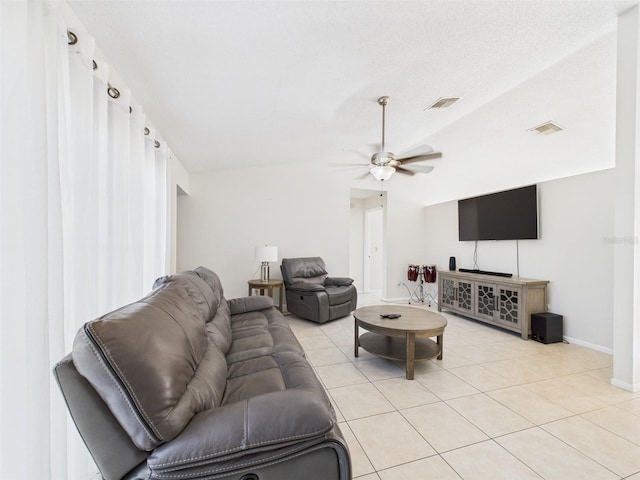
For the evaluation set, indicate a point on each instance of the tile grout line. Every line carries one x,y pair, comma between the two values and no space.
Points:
583,366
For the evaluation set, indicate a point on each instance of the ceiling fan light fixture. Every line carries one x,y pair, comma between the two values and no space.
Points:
382,172
382,158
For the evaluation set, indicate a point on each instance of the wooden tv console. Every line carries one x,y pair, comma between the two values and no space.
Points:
506,302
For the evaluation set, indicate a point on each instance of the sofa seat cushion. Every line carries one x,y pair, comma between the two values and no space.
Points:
340,295
260,333
296,415
249,378
258,336
251,338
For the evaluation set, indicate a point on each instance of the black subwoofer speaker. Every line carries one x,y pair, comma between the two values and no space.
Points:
546,327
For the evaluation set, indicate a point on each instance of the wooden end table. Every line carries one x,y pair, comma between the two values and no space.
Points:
268,285
405,338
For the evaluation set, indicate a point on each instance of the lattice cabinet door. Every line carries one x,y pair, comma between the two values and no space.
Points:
448,292
486,300
509,301
464,296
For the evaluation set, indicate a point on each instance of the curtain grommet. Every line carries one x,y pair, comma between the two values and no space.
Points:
113,92
73,38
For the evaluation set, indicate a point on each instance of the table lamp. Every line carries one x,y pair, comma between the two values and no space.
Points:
265,254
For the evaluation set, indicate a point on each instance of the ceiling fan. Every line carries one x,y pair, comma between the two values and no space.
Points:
384,164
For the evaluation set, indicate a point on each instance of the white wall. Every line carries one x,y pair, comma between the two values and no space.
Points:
574,252
303,209
356,242
177,184
626,313
405,240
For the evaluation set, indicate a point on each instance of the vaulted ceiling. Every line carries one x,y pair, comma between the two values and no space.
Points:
234,84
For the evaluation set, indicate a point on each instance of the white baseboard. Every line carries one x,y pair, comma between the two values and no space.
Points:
625,386
592,346
396,300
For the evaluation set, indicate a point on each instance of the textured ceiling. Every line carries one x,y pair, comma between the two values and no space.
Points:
241,84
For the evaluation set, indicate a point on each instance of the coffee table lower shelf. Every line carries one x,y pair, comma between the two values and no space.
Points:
395,348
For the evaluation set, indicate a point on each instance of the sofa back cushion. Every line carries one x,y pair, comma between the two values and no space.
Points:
303,270
205,289
213,280
200,292
155,362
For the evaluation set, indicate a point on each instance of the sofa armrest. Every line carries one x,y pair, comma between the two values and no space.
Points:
249,304
306,287
337,281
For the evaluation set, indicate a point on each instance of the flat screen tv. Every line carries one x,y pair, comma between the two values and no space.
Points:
508,215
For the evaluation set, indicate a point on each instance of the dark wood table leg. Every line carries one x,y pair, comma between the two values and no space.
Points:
411,354
440,344
356,339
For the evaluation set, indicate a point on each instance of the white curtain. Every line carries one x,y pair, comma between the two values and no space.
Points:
83,221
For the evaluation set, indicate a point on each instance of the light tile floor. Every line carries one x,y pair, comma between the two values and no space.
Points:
496,407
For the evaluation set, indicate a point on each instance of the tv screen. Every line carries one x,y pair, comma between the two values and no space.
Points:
508,215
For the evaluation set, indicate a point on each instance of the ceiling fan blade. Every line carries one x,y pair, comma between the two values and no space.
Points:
415,151
405,171
363,176
419,158
417,168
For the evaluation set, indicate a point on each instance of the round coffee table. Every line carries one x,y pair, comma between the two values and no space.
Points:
405,338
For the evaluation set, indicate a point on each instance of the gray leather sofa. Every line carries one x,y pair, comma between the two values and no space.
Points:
312,294
184,384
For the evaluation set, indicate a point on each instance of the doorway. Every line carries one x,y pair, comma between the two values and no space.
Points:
367,255
373,249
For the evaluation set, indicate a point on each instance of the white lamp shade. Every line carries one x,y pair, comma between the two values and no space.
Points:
266,253
382,172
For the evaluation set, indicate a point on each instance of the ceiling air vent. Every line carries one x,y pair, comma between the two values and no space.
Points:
443,102
546,128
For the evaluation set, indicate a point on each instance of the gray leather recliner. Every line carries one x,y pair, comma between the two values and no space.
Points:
312,294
